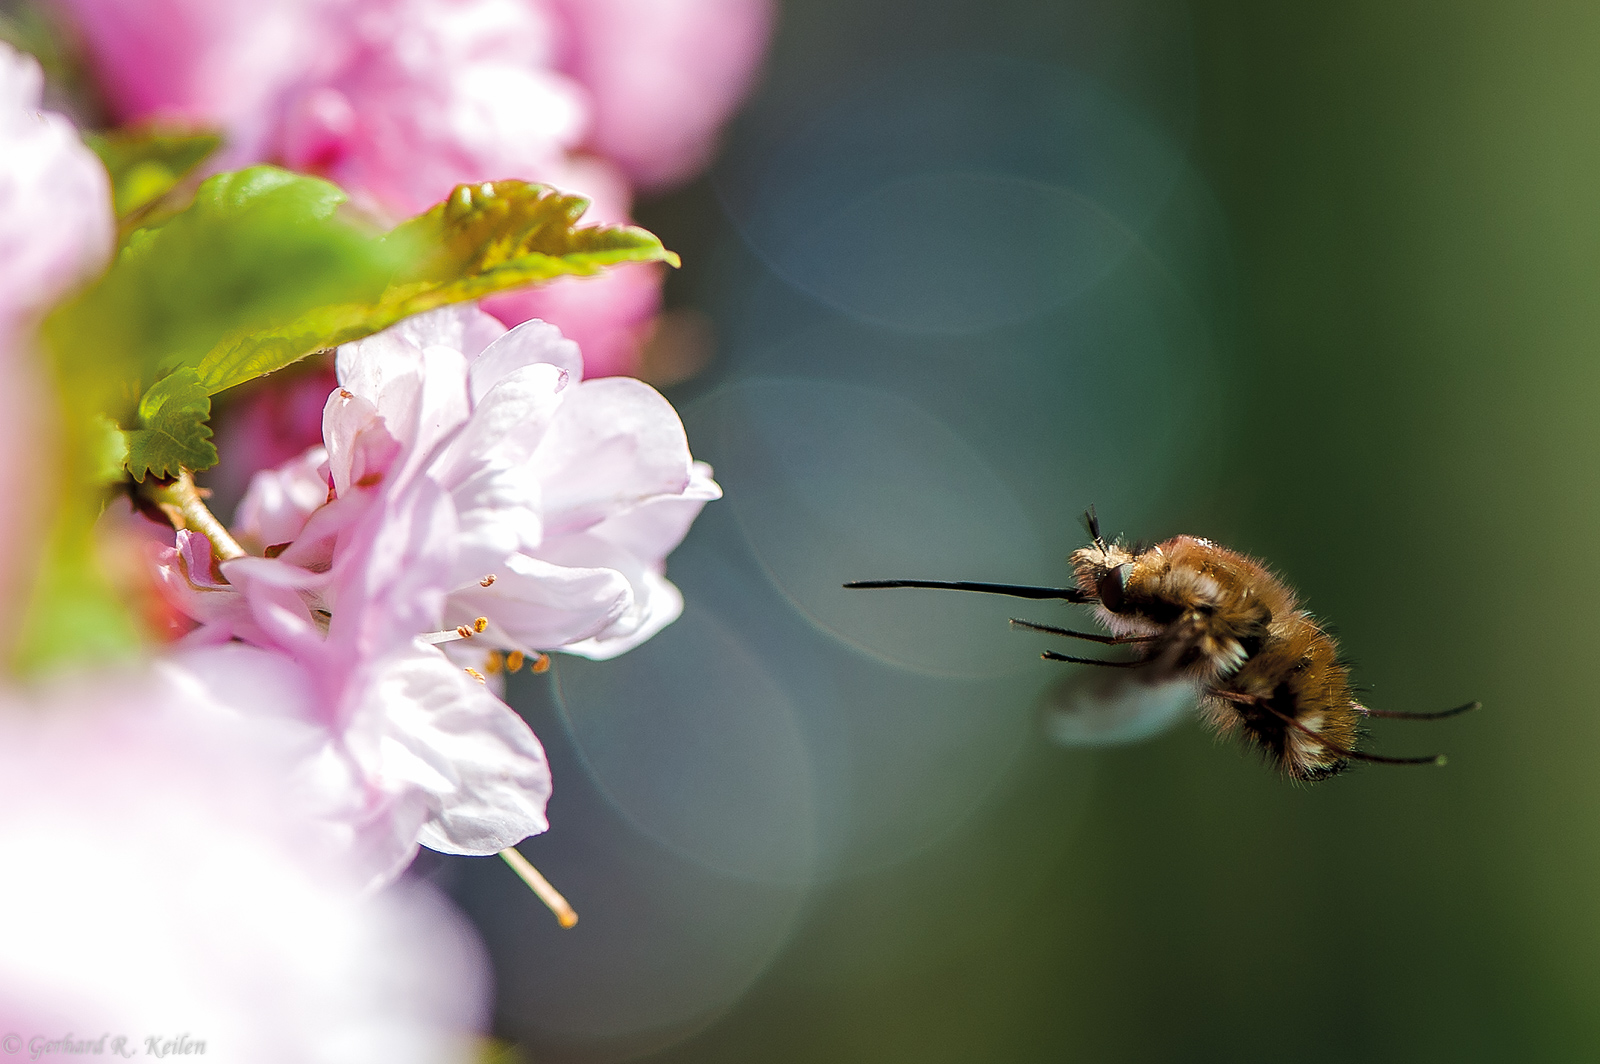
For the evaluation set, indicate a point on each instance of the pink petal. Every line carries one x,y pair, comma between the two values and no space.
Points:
279,501
479,763
528,344
535,604
615,443
664,74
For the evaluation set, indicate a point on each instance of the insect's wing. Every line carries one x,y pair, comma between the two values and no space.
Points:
1094,708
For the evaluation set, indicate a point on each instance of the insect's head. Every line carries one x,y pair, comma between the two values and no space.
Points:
1103,567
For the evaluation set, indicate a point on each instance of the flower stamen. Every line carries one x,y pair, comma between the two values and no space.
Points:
514,661
540,886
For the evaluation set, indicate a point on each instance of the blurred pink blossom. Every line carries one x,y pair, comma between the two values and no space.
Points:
161,884
399,100
411,97
56,227
662,75
56,230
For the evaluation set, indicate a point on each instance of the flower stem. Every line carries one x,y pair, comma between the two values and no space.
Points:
541,886
185,507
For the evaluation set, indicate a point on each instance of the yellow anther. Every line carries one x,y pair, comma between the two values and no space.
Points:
486,581
476,675
541,663
480,624
463,631
514,661
495,663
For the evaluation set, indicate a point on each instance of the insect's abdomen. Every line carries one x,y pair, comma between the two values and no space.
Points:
1295,702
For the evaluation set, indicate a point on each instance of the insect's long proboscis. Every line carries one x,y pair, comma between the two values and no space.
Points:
1070,594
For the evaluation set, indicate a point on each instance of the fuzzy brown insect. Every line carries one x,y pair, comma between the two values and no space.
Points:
1187,608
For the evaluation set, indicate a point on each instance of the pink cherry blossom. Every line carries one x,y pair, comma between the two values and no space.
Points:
569,493
160,883
468,472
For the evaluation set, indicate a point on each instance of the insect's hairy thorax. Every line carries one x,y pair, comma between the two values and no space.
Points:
1208,608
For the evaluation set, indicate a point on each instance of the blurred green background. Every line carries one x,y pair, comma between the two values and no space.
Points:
1373,302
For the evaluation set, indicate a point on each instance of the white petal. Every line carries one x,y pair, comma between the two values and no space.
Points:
445,406
538,605
275,507
365,366
274,702
528,344
360,445
506,426
657,603
652,530
479,763
614,443
56,227
420,392
460,326
393,572
652,604
183,573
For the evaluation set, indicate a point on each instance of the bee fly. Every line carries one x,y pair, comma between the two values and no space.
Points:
1189,609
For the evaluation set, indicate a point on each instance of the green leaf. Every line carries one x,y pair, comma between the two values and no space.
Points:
484,239
256,249
147,162
527,230
262,270
74,614
174,435
105,450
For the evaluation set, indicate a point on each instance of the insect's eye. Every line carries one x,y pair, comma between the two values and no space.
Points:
1112,585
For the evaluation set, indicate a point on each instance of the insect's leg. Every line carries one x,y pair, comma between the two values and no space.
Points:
1051,655
1109,640
1378,759
1440,715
